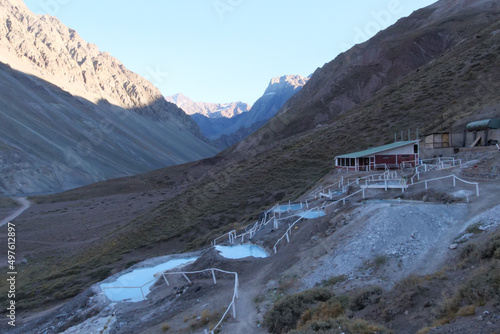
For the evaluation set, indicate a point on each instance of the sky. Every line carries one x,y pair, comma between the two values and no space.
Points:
224,50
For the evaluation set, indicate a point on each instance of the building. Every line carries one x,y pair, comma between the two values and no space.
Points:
437,140
483,133
391,155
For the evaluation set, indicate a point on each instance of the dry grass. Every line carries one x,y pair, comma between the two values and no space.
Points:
286,313
207,319
334,280
409,283
323,312
341,325
466,311
482,285
424,330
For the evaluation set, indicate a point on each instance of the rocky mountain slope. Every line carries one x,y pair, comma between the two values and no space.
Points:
210,110
226,132
429,70
72,115
392,55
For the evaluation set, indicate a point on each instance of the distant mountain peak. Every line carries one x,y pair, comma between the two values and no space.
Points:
290,79
285,82
210,110
225,132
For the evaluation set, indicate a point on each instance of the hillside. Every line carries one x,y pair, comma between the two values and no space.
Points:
429,71
72,115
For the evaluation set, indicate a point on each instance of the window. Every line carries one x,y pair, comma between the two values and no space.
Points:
415,148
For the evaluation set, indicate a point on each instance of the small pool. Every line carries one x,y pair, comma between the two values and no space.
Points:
138,278
291,207
241,251
312,214
337,193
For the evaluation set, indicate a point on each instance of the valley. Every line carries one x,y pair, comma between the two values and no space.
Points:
155,187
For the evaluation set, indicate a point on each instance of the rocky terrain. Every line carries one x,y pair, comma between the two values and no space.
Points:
72,115
210,110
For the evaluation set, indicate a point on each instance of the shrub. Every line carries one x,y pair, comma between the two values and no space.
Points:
380,260
377,262
485,251
285,314
334,280
492,249
342,325
165,328
206,318
466,311
364,297
324,311
467,251
342,300
474,228
480,289
409,282
424,330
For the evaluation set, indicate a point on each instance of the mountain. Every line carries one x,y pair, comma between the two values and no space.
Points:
210,110
72,115
392,55
226,132
430,70
277,93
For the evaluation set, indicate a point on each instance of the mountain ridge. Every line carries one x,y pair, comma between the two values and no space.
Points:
210,110
226,132
43,46
357,74
53,81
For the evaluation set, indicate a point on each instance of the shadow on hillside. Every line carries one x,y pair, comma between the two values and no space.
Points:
52,140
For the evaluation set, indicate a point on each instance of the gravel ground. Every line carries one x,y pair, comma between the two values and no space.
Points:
404,237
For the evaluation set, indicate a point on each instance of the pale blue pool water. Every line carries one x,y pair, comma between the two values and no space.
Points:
286,208
241,251
312,214
137,278
337,192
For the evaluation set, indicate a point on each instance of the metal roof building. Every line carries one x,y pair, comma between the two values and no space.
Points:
382,157
484,124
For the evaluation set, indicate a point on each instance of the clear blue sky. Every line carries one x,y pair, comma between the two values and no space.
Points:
224,50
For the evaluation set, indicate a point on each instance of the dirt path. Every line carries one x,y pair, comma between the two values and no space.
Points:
25,204
247,315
